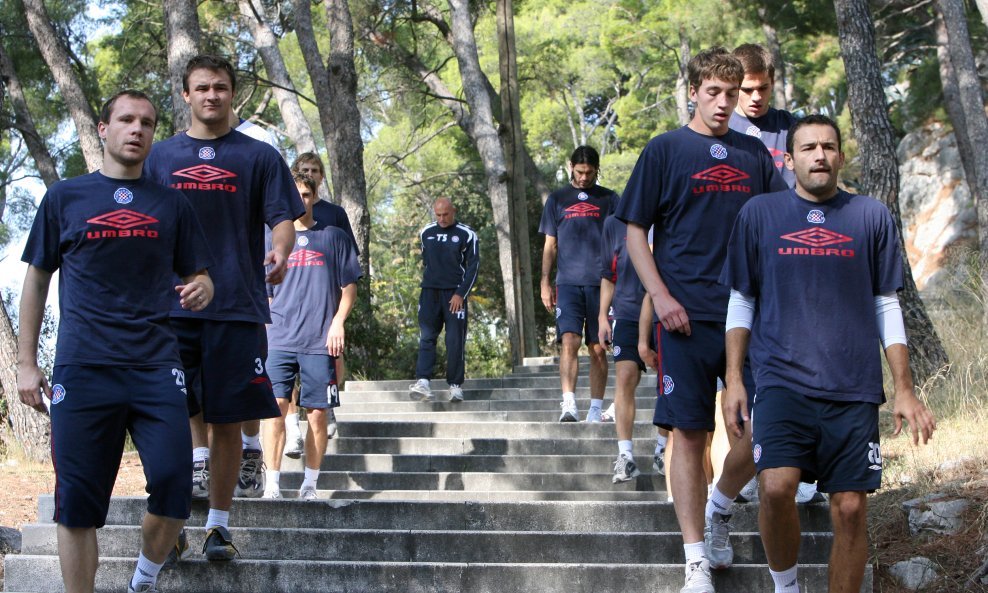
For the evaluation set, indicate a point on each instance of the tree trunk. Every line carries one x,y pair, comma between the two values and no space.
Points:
973,124
57,58
182,32
23,427
485,139
266,43
682,91
775,48
880,170
513,141
25,123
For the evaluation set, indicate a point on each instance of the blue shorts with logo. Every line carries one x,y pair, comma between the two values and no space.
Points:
835,443
224,367
689,367
93,408
625,340
317,373
576,312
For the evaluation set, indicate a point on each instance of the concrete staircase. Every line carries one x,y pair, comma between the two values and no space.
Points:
491,494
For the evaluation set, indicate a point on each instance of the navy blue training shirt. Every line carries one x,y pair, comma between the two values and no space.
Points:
617,267
575,217
451,257
691,187
328,213
814,270
118,243
772,129
322,262
236,185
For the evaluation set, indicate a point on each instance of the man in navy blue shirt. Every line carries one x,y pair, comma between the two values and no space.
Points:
451,260
118,240
814,274
690,184
572,222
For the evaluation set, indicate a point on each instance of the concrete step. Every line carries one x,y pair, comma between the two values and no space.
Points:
551,464
551,394
545,380
391,545
40,574
475,481
505,430
344,443
449,413
512,405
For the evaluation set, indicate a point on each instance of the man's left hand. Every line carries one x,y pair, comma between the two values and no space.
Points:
456,304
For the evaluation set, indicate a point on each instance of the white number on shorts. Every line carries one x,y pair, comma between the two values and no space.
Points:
260,366
179,377
333,393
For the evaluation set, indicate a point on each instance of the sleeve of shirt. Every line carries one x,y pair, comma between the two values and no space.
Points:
547,226
268,287
608,270
887,272
640,202
281,198
471,264
774,181
346,260
43,248
191,250
741,266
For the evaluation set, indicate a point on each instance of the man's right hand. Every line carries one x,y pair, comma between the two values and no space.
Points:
30,384
671,314
548,297
734,403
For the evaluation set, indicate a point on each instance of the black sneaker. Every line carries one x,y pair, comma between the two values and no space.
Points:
142,588
179,552
250,484
219,545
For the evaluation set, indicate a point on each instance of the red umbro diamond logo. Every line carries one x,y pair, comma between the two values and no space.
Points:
304,257
204,173
582,208
817,237
722,174
123,219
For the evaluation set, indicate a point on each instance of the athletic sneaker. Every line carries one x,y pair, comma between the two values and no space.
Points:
749,493
219,544
294,443
272,494
624,469
593,415
455,393
608,414
659,461
331,425
307,494
142,588
251,481
698,578
570,413
421,391
200,479
717,541
807,494
179,552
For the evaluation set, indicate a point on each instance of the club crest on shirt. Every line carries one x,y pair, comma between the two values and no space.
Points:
57,394
667,385
754,130
123,196
582,196
816,217
455,239
303,241
718,151
756,453
207,153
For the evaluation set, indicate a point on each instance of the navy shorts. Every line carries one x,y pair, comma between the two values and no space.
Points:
317,373
689,367
576,312
836,444
92,410
224,368
625,340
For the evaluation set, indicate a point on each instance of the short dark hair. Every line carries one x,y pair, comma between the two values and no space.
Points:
585,155
209,62
306,181
308,157
106,111
715,62
755,59
815,119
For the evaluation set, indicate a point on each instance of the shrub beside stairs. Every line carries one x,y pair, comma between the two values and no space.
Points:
488,495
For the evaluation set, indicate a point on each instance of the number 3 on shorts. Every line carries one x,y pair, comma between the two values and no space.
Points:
259,369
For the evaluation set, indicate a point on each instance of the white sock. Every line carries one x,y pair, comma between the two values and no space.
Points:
569,397
596,403
218,518
291,422
660,443
785,581
146,572
251,442
272,479
719,503
694,552
624,448
200,454
311,476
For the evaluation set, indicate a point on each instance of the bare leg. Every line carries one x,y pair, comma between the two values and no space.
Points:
224,454
739,466
688,482
274,436
251,427
78,555
598,370
569,364
848,512
778,519
159,534
708,466
200,433
340,372
628,377
316,437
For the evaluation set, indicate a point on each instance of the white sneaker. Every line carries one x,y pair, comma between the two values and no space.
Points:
659,461
624,469
807,494
294,443
271,494
422,391
749,493
608,415
331,425
717,541
593,415
698,578
307,493
570,413
455,393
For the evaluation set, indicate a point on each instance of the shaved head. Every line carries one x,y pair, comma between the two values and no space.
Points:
445,212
